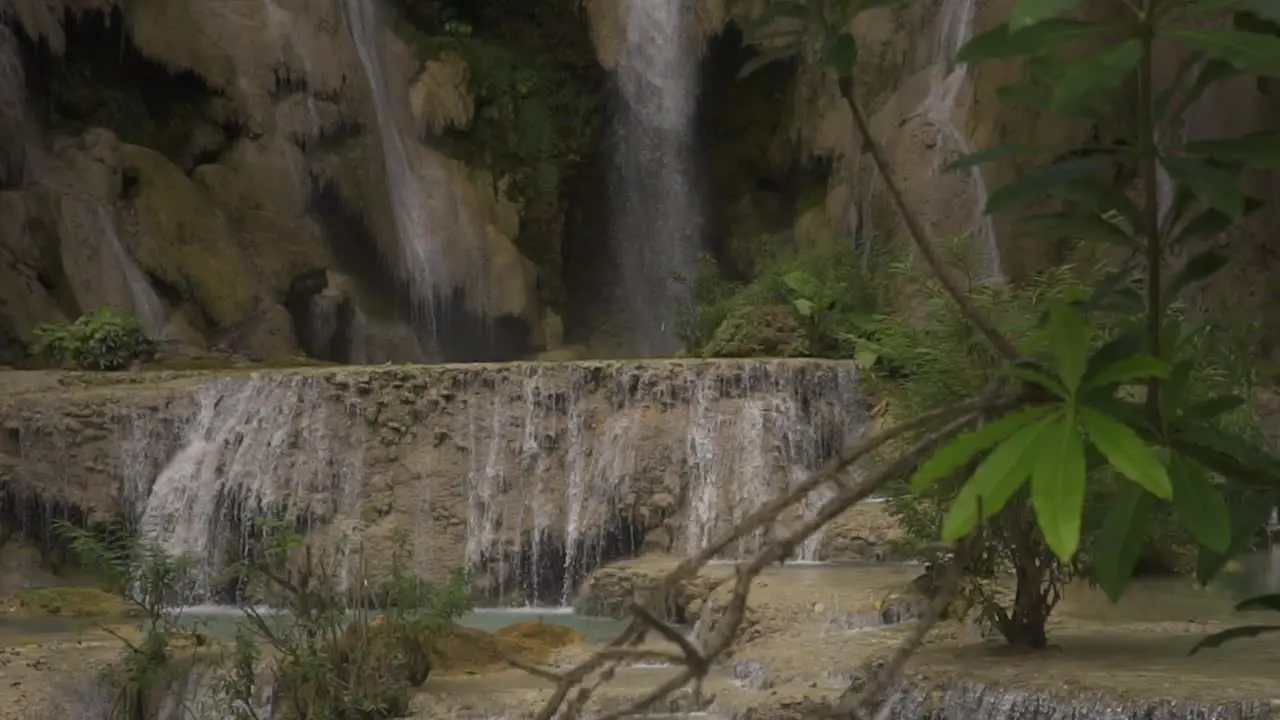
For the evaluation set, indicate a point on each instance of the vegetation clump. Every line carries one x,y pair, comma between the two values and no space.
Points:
106,339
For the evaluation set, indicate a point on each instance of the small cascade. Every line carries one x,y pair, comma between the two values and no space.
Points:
657,213
147,305
422,254
266,447
955,28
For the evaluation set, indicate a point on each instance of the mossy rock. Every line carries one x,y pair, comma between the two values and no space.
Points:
768,331
72,602
184,241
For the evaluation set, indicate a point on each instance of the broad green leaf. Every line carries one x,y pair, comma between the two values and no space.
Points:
1226,453
1069,345
1217,188
995,481
840,54
951,457
1093,191
1214,407
1077,226
1037,376
999,152
1260,149
1057,485
1086,79
1250,52
803,307
1212,221
865,358
1126,452
1236,633
1042,37
1248,513
1028,12
1121,540
1269,602
1134,368
1039,184
802,283
1114,350
1198,267
1200,505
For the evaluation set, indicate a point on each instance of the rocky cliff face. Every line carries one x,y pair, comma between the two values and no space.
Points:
530,474
247,175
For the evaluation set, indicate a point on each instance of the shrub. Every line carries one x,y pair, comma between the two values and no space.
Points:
105,339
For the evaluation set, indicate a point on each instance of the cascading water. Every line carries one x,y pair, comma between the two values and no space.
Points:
955,28
420,243
257,448
657,214
531,475
148,306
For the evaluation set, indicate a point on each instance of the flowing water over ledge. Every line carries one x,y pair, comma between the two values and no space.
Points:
529,473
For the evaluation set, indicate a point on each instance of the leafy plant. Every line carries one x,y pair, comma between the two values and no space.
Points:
333,654
105,339
153,582
1071,406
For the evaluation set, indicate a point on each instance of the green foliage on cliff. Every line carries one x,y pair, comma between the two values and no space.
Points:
105,339
1102,391
540,111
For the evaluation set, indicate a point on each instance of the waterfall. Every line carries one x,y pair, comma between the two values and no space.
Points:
254,448
420,241
657,215
529,474
955,28
148,306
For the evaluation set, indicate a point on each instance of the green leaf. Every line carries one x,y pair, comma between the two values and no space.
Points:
1250,52
1212,221
951,457
840,54
1093,191
803,284
1069,345
865,358
1248,513
1086,79
1214,407
1121,540
1269,602
1077,226
1134,368
992,154
804,307
1039,184
1260,149
1197,268
1029,12
1216,187
1200,505
1057,485
995,481
1034,374
1043,37
1126,452
1236,633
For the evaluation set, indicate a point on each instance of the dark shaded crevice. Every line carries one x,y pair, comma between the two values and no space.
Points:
104,80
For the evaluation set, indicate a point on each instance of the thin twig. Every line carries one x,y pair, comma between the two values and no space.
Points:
919,236
954,418
734,613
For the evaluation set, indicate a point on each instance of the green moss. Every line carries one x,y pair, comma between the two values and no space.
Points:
539,112
72,602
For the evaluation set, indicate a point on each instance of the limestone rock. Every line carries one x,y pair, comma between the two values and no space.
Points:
440,97
183,239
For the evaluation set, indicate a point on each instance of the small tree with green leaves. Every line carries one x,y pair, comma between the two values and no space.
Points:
1077,406
337,653
152,581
